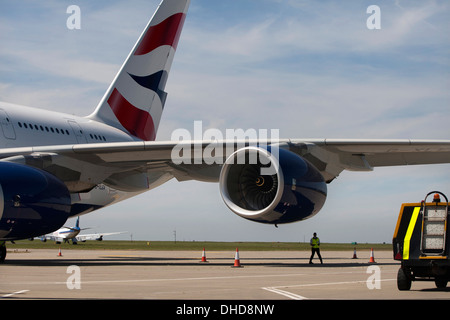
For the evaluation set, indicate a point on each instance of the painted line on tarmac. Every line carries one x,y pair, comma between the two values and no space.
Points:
191,279
159,279
285,293
332,283
14,293
298,297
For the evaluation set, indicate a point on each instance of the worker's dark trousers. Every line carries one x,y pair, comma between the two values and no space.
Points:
313,251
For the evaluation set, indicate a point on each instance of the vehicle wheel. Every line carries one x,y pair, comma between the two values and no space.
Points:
440,283
403,280
2,253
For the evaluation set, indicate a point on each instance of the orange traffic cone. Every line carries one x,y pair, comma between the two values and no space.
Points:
237,262
59,252
354,254
204,256
372,259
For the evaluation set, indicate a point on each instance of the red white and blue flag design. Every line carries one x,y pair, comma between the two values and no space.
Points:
136,98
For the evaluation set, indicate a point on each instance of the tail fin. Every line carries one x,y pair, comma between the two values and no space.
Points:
135,99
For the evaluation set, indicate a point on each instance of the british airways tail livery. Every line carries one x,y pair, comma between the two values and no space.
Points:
135,100
54,166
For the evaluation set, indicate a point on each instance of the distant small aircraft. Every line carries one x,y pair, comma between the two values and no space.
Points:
65,234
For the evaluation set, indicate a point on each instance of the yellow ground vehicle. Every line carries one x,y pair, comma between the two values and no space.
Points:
420,242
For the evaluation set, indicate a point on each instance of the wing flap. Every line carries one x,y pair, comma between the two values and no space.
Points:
332,156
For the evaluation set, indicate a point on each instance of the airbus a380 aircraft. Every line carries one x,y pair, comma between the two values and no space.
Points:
54,166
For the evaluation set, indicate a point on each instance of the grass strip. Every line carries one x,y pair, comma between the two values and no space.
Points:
194,245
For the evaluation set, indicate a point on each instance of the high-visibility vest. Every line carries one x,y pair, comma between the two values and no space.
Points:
315,242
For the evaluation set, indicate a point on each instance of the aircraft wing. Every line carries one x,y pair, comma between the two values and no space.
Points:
95,236
332,156
85,165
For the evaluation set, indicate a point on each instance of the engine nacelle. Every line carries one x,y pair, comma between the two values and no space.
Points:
32,202
271,187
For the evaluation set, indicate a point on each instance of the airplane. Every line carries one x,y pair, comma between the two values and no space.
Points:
54,166
65,234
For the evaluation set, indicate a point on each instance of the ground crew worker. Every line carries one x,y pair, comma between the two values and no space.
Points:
315,243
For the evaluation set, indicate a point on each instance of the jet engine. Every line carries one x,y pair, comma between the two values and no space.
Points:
271,185
32,202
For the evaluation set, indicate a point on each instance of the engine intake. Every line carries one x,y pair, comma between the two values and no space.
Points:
271,187
32,202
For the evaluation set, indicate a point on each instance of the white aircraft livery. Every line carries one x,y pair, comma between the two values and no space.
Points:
73,233
54,166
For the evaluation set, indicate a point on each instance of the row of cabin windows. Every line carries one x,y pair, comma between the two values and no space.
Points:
51,129
97,137
42,128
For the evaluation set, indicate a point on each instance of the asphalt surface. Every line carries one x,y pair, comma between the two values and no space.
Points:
180,275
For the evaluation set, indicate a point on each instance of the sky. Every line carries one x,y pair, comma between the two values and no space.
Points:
311,69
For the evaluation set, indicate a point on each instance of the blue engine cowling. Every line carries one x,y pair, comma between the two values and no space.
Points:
32,202
273,187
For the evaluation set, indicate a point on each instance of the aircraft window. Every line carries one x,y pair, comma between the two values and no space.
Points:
42,128
97,137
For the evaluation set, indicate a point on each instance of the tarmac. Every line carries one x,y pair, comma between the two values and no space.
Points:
181,275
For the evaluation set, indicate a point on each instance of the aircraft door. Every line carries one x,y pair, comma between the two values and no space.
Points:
78,131
7,126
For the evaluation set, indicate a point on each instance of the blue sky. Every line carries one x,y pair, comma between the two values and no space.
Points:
310,69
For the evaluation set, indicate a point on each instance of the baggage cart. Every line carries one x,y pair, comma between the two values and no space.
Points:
420,242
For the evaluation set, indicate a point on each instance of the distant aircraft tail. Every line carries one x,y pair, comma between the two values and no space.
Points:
135,100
